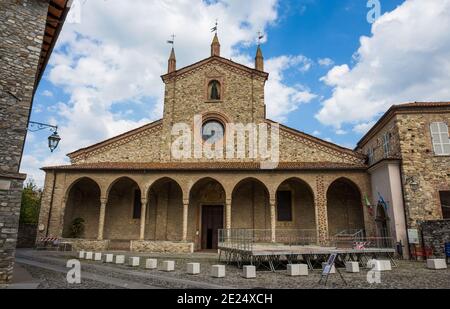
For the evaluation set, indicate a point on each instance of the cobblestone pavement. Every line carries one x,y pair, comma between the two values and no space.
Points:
406,275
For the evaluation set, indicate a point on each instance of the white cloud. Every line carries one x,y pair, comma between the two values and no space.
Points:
112,61
47,93
280,98
325,62
316,133
341,132
364,127
406,59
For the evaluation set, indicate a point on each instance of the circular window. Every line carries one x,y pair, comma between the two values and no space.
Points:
213,131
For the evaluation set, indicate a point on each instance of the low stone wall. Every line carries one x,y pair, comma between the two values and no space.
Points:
85,244
435,234
161,246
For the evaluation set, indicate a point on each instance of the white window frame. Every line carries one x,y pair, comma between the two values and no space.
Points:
443,138
386,144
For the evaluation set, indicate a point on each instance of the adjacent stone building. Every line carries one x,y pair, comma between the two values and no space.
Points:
28,31
169,186
409,163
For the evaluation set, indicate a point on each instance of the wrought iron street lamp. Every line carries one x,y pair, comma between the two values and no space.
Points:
53,140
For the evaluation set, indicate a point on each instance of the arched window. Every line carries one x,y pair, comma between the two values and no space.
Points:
214,90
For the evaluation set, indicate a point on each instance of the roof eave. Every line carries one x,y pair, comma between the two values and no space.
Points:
183,70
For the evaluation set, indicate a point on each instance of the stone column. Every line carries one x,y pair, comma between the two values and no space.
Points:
228,214
321,211
185,219
144,203
273,220
101,220
59,230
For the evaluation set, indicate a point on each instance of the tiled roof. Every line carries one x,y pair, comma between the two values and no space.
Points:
56,15
201,166
415,107
225,61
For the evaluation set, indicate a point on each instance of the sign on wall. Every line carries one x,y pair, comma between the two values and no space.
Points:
413,236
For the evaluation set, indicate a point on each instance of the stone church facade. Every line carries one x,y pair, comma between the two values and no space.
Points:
133,193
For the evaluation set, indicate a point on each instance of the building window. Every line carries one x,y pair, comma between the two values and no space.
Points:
370,155
445,203
137,205
284,206
214,90
441,141
213,131
386,144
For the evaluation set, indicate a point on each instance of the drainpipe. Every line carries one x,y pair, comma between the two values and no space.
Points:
404,211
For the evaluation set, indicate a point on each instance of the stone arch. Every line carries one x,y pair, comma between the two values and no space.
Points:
207,206
303,206
82,201
200,180
149,186
75,181
111,184
164,214
124,197
344,207
250,204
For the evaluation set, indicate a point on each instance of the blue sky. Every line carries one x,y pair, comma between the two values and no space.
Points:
332,72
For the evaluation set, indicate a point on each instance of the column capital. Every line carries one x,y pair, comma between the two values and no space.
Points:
103,200
144,201
185,201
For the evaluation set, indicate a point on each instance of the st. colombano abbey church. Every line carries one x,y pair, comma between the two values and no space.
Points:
133,193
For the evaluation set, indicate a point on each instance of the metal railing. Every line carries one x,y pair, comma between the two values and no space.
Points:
247,239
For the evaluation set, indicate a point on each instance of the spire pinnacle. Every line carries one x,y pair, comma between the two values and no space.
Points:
215,46
172,67
259,60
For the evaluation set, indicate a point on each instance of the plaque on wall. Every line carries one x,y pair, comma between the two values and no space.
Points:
413,236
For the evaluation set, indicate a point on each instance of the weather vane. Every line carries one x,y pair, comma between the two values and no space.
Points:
260,37
172,41
215,28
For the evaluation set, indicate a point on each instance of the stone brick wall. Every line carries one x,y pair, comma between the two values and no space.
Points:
242,102
9,222
435,234
21,34
242,99
142,147
419,161
376,142
410,141
161,247
92,245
